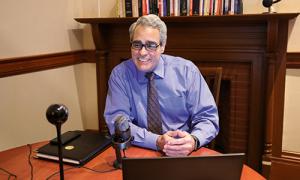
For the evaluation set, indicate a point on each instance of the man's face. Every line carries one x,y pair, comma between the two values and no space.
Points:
146,58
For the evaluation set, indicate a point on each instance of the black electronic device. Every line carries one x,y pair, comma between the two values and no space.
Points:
268,4
66,138
78,151
212,167
121,139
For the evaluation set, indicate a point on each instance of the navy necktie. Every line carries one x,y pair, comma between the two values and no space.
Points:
153,111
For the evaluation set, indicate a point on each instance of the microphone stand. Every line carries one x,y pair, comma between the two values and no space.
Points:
118,146
60,157
57,114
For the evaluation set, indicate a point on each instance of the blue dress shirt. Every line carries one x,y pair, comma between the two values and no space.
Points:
186,102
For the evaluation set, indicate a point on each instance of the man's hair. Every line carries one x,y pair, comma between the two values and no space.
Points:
152,21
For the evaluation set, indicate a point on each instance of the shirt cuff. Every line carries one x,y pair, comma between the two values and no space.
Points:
151,143
143,138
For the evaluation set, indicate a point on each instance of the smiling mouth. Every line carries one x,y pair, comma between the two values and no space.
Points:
143,60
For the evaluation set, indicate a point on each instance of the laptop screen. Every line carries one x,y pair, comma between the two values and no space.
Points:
214,167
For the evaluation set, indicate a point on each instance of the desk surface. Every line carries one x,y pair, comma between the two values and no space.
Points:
16,161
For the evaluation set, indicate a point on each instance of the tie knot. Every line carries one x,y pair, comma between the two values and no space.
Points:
149,75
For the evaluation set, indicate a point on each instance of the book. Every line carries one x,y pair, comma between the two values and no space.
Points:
195,7
183,7
135,8
140,7
77,151
153,7
128,8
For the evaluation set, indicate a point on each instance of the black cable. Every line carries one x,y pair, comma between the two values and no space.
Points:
31,168
9,173
94,170
29,161
57,172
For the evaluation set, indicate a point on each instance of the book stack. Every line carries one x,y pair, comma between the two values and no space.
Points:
136,8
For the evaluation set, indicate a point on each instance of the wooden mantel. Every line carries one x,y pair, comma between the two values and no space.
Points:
251,49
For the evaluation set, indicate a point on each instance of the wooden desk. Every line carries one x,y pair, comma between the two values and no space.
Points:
16,161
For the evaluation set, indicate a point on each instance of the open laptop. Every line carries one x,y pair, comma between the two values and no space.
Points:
214,167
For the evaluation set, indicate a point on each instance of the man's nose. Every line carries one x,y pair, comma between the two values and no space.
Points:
143,50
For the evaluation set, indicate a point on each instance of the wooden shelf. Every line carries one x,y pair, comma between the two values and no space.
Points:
187,19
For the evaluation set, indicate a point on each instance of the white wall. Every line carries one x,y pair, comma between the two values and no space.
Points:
34,27
85,75
25,99
291,135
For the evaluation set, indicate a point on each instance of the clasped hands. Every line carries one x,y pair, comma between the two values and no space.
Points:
176,143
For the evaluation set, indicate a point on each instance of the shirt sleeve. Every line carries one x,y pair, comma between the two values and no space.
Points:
118,104
203,109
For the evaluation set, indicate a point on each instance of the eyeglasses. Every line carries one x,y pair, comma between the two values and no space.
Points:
149,45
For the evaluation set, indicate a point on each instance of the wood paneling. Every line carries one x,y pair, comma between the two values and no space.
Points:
285,167
250,48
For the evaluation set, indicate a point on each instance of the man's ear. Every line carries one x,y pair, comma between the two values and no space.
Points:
162,48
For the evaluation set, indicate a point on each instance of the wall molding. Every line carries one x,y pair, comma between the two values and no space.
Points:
285,167
29,64
293,60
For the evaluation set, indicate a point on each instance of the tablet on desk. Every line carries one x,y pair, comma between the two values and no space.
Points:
213,167
78,149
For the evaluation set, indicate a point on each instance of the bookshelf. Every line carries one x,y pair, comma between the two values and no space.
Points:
136,8
251,49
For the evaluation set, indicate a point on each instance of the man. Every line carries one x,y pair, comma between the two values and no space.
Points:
187,117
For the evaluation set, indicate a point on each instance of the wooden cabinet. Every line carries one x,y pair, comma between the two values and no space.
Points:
251,49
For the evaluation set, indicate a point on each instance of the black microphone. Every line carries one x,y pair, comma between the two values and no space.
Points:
121,139
269,3
122,129
57,114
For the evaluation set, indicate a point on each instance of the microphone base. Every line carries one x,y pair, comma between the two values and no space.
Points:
122,145
271,10
118,148
117,165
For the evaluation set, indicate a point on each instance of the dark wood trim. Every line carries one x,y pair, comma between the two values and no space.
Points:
291,155
89,56
28,64
21,65
293,60
285,167
180,19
